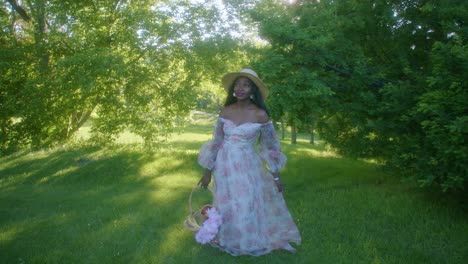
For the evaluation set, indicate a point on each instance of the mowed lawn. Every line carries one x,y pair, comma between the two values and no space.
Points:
124,204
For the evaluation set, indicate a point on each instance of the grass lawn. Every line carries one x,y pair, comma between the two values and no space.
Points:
121,204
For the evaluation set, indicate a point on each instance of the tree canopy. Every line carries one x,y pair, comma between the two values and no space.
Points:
376,79
133,63
385,79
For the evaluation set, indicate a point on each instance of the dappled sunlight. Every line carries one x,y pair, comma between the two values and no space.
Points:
193,131
190,137
372,161
127,137
9,161
121,204
172,169
40,156
166,194
33,225
124,198
99,221
10,232
9,181
173,236
303,147
45,166
202,118
314,153
119,222
59,173
179,180
163,165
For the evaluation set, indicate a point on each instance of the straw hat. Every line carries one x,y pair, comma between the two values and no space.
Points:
229,78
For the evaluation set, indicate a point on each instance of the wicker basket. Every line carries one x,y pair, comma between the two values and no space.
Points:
195,219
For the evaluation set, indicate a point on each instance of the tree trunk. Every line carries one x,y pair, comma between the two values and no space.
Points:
39,37
282,129
20,10
38,19
311,128
293,133
312,137
76,121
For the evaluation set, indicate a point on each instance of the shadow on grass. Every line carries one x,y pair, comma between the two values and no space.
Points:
92,206
115,205
351,211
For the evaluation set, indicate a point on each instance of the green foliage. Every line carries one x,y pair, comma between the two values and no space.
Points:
290,71
384,79
410,111
378,79
441,115
133,64
214,58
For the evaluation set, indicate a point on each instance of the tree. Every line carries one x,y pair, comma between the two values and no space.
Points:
396,70
406,110
130,62
290,70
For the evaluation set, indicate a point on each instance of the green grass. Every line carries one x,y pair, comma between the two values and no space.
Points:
84,204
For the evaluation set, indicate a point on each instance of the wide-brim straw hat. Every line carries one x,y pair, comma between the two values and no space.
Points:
229,78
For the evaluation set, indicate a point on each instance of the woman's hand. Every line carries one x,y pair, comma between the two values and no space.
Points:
278,182
205,180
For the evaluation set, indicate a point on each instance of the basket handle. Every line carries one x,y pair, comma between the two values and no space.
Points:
190,196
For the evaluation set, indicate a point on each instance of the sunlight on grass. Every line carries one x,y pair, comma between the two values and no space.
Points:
122,204
174,235
168,194
190,137
10,181
373,161
59,173
314,152
125,137
164,164
9,233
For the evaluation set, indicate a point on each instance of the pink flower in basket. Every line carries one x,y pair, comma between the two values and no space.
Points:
210,226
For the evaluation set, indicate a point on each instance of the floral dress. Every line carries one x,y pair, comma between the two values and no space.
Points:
255,217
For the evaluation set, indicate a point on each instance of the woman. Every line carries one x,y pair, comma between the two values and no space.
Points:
248,195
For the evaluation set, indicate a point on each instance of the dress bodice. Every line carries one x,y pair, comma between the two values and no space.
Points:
243,134
239,140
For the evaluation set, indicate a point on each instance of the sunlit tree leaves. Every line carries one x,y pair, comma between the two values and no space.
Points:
134,65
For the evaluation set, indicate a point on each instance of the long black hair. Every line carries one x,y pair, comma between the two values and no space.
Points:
255,91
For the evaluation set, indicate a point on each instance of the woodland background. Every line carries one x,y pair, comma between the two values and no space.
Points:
380,80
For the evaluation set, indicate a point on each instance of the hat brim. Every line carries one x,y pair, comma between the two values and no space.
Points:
229,78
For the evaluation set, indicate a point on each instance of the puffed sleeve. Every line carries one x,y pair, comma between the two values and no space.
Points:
209,150
269,148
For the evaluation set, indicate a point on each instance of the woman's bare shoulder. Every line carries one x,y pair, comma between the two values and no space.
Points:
262,116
